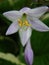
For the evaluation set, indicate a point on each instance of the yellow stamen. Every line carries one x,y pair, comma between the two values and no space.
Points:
26,23
20,22
23,23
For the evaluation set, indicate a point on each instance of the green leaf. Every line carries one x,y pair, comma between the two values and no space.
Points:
11,58
5,62
8,5
41,59
8,45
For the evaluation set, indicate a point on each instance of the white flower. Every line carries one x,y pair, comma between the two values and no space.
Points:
24,20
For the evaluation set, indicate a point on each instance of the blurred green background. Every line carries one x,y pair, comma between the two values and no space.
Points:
10,46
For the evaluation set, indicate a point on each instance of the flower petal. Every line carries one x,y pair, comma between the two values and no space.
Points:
28,54
12,15
12,28
38,12
38,25
25,9
25,35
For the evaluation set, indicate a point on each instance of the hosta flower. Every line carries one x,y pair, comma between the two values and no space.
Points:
28,54
25,20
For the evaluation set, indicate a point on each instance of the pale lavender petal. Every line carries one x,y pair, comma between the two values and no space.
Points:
13,28
25,35
28,54
12,15
38,25
38,12
25,9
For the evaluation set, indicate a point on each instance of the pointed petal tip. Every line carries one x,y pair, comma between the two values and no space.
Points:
45,30
4,13
7,33
47,7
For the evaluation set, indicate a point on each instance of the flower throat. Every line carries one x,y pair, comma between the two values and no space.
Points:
23,21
